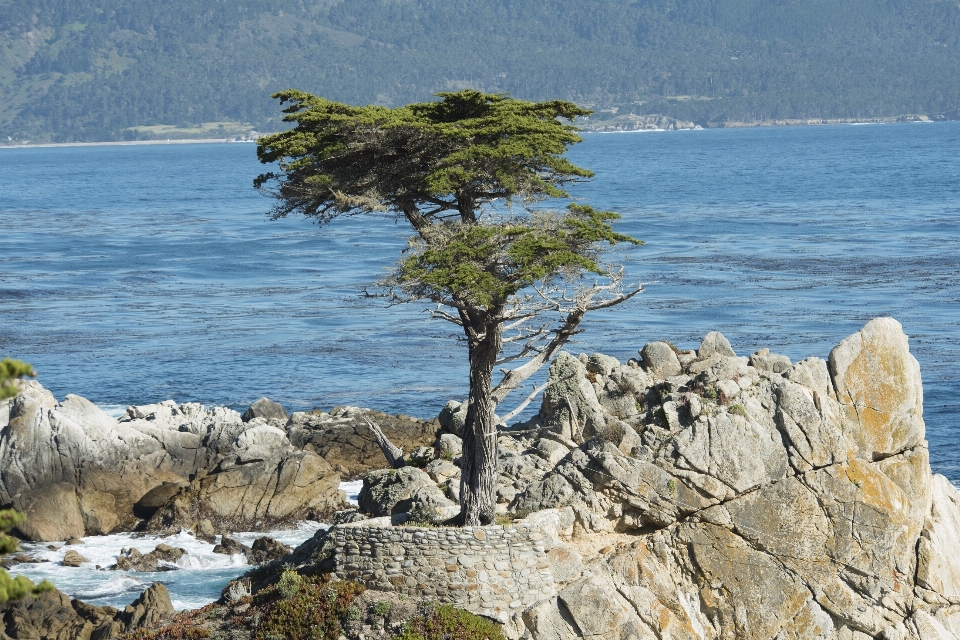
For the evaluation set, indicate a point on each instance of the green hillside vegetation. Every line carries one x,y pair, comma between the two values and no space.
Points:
117,69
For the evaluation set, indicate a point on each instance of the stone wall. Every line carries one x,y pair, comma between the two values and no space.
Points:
493,570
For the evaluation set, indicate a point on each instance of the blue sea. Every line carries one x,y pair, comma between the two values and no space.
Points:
133,274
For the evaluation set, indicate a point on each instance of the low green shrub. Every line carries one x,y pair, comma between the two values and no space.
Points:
444,622
289,583
314,612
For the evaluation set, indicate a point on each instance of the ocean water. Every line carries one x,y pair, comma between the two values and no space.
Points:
133,274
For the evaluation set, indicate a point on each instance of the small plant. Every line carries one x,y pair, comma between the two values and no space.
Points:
382,608
444,622
353,613
613,433
737,409
711,393
313,613
672,346
672,485
289,583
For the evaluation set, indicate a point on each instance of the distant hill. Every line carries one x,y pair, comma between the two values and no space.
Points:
127,69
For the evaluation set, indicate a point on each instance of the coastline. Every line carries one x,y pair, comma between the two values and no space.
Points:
121,143
622,124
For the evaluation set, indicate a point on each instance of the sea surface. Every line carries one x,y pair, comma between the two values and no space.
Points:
133,274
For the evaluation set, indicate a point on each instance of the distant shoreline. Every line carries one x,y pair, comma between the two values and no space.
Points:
624,124
122,143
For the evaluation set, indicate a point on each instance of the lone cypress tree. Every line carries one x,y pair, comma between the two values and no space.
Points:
442,166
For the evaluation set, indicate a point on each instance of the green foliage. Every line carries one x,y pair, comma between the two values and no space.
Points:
11,370
8,520
15,588
737,409
444,622
486,264
456,153
289,583
382,608
314,612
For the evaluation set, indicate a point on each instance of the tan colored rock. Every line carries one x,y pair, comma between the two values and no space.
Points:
151,607
878,384
938,567
73,559
343,439
53,513
99,511
600,612
660,360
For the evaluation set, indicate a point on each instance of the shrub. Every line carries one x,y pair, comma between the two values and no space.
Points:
382,608
289,583
444,622
738,409
314,612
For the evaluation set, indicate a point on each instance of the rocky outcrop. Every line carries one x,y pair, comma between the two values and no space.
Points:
55,616
74,470
697,494
750,499
343,439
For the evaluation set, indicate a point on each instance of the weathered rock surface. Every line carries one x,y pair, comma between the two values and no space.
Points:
760,500
720,496
73,559
268,410
55,616
133,560
407,490
342,438
76,471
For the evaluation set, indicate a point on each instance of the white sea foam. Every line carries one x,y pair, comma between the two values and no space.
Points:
352,489
198,579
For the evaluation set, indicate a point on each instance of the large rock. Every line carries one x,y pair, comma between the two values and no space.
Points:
877,382
570,405
151,607
52,511
343,439
660,360
758,503
267,409
78,471
392,491
256,489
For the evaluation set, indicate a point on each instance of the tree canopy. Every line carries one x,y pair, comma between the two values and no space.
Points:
464,171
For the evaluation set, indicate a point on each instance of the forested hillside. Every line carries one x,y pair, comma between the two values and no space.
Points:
108,69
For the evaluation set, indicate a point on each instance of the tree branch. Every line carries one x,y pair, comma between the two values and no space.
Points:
523,405
393,454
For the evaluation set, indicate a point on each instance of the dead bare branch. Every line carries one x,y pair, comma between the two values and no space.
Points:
523,405
393,454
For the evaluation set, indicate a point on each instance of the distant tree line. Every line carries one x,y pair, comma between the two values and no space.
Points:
91,69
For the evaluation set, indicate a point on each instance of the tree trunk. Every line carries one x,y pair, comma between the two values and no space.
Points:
478,480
